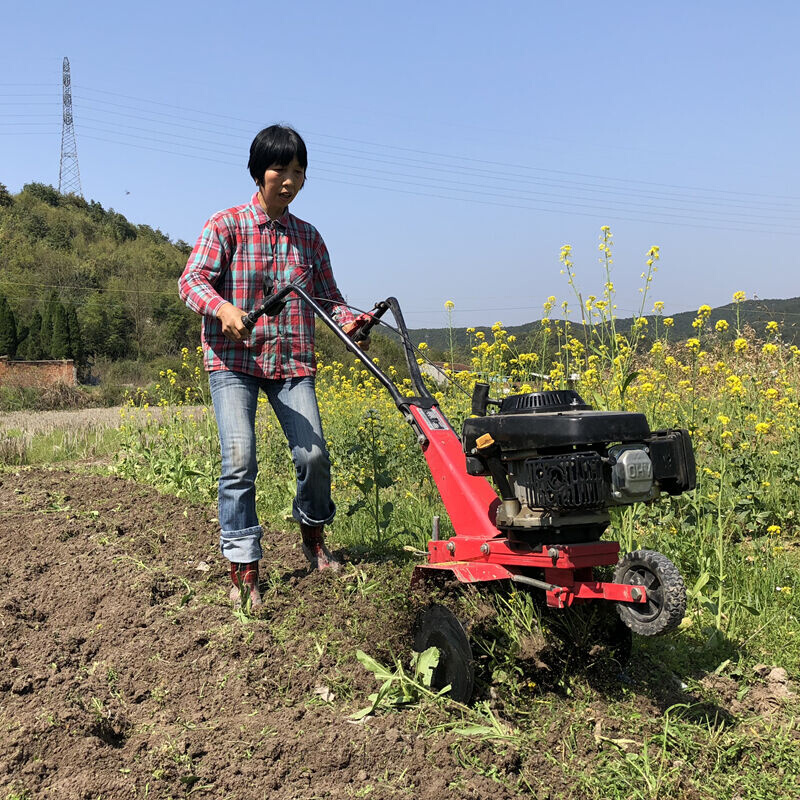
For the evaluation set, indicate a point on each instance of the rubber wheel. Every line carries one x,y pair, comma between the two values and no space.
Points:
666,593
438,627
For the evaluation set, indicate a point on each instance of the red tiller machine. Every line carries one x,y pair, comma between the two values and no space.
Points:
558,467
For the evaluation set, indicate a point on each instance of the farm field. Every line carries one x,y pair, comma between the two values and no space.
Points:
63,435
127,674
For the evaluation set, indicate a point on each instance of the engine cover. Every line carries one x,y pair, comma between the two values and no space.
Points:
563,483
554,431
560,465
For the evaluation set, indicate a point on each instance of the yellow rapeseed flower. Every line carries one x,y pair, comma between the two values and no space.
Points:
735,385
740,345
722,325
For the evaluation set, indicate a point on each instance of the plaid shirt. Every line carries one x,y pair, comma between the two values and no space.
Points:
236,249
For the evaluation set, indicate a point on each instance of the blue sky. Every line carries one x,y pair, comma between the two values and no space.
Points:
454,147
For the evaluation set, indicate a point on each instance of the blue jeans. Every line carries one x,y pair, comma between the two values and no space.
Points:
235,398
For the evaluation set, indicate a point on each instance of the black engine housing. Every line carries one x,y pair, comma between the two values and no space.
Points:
557,463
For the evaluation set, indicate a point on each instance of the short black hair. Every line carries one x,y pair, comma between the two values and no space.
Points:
277,144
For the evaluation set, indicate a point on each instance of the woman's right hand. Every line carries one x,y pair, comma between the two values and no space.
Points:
232,326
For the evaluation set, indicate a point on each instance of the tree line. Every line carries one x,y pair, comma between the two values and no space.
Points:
53,332
81,281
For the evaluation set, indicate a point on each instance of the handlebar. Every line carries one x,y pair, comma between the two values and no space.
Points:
358,330
355,332
269,307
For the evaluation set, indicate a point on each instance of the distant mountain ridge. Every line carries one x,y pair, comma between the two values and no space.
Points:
754,313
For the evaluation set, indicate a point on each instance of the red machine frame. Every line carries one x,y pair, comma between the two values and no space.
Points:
480,551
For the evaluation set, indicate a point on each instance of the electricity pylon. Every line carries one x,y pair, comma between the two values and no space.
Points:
69,176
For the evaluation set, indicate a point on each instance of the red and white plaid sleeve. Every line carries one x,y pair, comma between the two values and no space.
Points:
210,255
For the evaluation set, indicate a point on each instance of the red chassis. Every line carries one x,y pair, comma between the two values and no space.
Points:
481,552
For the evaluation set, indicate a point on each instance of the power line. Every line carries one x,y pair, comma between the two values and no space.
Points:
440,160
165,293
205,113
570,205
613,198
582,189
438,163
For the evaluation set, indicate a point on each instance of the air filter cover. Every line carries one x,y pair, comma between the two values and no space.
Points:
542,402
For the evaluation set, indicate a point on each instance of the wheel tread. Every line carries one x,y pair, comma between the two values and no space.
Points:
673,591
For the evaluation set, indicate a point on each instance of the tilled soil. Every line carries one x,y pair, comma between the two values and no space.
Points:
124,673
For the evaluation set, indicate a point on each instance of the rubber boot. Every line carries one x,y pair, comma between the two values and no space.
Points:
315,550
244,578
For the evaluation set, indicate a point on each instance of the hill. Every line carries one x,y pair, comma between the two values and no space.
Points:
118,277
116,280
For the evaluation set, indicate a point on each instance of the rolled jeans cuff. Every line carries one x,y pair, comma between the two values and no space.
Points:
304,519
243,546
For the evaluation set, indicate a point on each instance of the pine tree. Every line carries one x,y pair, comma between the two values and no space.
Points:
120,326
33,344
76,338
95,325
48,317
8,330
60,345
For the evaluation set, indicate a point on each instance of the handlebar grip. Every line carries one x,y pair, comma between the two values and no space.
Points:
364,323
361,334
249,321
